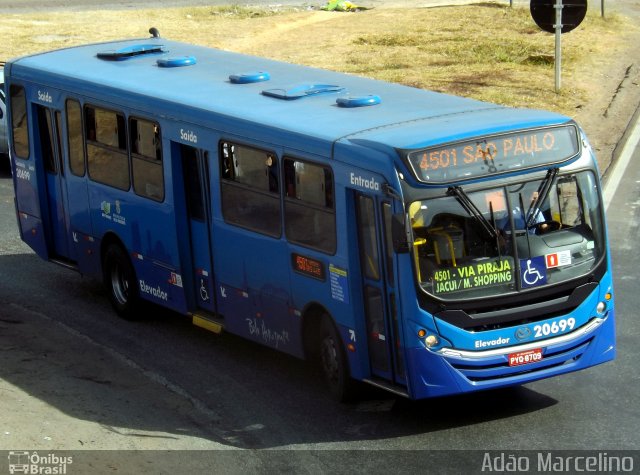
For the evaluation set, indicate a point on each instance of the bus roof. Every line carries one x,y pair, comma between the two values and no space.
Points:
405,118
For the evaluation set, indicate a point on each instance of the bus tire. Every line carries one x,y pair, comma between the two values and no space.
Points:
119,278
333,362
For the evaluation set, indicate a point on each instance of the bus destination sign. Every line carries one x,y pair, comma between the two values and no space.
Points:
308,266
495,154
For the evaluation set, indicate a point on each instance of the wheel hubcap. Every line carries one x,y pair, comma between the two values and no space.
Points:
329,357
119,284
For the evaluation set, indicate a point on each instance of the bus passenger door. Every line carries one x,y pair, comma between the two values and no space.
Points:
48,145
384,338
195,168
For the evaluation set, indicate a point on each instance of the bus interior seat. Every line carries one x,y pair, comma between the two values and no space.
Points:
448,244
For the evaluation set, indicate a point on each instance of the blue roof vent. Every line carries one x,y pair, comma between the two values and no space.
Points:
249,78
359,101
303,90
176,62
131,51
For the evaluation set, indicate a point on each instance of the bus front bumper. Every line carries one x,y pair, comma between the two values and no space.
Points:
450,371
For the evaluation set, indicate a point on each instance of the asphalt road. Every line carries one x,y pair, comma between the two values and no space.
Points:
13,6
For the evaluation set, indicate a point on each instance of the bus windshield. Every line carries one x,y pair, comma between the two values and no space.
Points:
509,238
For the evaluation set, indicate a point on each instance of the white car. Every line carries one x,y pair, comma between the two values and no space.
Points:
4,135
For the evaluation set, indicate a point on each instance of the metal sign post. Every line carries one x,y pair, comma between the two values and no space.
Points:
558,28
558,17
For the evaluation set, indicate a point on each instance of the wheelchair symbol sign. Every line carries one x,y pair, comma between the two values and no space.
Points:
533,272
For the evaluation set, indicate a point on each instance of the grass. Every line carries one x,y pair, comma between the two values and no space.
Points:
486,51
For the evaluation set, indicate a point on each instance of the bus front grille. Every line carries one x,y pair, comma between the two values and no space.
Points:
497,368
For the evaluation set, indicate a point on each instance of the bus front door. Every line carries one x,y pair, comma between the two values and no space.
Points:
49,145
195,168
384,338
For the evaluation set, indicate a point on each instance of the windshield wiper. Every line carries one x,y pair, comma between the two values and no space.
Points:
542,194
472,209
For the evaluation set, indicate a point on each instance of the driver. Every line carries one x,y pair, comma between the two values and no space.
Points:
520,217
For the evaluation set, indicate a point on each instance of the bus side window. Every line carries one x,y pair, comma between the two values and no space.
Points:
250,188
45,139
309,205
146,159
19,122
368,237
107,157
74,137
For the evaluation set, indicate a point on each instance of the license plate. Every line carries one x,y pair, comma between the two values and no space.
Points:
525,357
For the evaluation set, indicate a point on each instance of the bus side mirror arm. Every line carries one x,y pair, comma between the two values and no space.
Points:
399,233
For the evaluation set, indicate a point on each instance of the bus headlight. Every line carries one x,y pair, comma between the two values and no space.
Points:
601,307
431,341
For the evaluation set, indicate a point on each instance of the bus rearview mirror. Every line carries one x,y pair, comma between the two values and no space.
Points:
399,233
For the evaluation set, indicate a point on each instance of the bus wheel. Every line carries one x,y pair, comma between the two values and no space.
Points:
333,362
120,280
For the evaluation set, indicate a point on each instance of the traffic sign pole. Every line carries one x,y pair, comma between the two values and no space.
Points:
558,28
558,17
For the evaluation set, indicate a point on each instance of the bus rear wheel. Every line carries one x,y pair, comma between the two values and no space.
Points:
119,278
334,364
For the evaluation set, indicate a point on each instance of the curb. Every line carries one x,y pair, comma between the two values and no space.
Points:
634,121
621,157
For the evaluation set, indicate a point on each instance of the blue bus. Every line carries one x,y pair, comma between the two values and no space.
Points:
425,244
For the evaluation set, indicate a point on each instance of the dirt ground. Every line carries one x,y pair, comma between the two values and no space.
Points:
614,92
